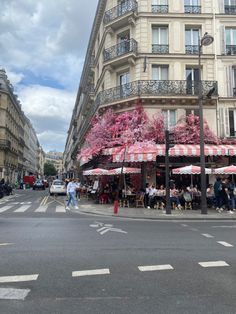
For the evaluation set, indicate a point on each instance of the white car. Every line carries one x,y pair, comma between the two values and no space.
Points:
57,187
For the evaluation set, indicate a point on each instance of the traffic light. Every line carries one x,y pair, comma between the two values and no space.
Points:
169,139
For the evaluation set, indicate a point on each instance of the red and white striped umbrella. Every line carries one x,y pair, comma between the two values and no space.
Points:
225,170
190,170
95,172
125,170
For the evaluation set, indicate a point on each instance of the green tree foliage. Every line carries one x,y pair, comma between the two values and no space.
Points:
49,169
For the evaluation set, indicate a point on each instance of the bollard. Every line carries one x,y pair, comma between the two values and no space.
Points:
116,205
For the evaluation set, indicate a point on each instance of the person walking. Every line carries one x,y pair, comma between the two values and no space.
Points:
71,192
218,194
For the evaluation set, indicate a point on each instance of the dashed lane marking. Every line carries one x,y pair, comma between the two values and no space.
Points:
18,278
22,209
207,235
60,209
41,209
13,294
225,243
213,264
6,244
155,267
93,272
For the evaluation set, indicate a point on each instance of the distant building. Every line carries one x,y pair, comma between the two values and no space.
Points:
56,158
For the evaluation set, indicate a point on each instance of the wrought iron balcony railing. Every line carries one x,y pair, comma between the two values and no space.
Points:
155,88
119,10
160,8
193,9
191,49
230,9
234,91
120,49
230,49
5,144
160,49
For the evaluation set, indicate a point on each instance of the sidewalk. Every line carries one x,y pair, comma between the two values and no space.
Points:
89,207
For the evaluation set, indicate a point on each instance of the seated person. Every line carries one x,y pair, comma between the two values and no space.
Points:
174,197
210,195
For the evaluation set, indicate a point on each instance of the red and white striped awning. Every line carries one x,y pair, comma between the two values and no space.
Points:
191,169
125,170
225,170
95,172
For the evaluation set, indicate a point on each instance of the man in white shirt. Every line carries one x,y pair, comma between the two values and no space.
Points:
71,192
152,195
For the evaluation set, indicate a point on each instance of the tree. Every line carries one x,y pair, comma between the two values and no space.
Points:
49,169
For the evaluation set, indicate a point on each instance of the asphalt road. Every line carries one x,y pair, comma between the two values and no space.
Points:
60,262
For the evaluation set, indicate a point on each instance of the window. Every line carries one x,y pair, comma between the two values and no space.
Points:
160,40
192,111
230,6
191,40
230,34
123,43
232,122
160,72
192,80
234,82
169,118
192,6
123,81
160,6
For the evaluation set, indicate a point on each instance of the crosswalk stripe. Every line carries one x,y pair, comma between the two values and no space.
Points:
60,209
91,272
22,209
13,294
225,243
155,267
4,208
213,264
41,209
20,278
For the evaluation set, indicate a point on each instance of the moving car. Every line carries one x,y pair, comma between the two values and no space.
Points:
57,187
38,185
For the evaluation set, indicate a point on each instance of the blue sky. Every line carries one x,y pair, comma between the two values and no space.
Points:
42,48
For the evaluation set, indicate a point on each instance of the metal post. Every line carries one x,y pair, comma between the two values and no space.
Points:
202,144
167,175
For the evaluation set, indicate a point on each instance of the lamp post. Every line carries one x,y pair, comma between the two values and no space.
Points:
206,40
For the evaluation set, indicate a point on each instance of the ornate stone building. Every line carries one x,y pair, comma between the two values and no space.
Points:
147,50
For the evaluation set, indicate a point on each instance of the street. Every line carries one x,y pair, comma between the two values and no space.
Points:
57,261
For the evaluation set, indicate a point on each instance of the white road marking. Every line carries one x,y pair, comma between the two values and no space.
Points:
232,226
4,208
41,209
155,267
13,294
225,243
24,203
81,273
18,278
6,244
60,209
184,225
213,264
207,235
112,229
22,209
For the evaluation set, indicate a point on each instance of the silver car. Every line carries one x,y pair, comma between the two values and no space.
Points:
57,187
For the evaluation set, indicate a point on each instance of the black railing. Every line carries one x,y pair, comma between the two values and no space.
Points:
193,9
230,49
234,91
155,88
120,49
160,49
160,8
191,49
5,144
230,9
119,10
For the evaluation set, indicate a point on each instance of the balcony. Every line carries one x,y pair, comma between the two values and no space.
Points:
160,9
192,9
160,49
128,46
230,50
230,9
191,49
5,144
130,6
154,88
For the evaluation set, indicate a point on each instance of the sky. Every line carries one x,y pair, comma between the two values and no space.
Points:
42,48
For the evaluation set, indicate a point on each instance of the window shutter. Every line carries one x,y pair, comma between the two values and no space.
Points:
222,33
221,120
229,81
221,6
227,133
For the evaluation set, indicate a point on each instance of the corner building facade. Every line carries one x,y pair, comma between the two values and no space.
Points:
148,51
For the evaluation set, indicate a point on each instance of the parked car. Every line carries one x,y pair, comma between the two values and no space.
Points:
57,187
38,185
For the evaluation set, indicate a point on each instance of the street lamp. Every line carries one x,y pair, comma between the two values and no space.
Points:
206,40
